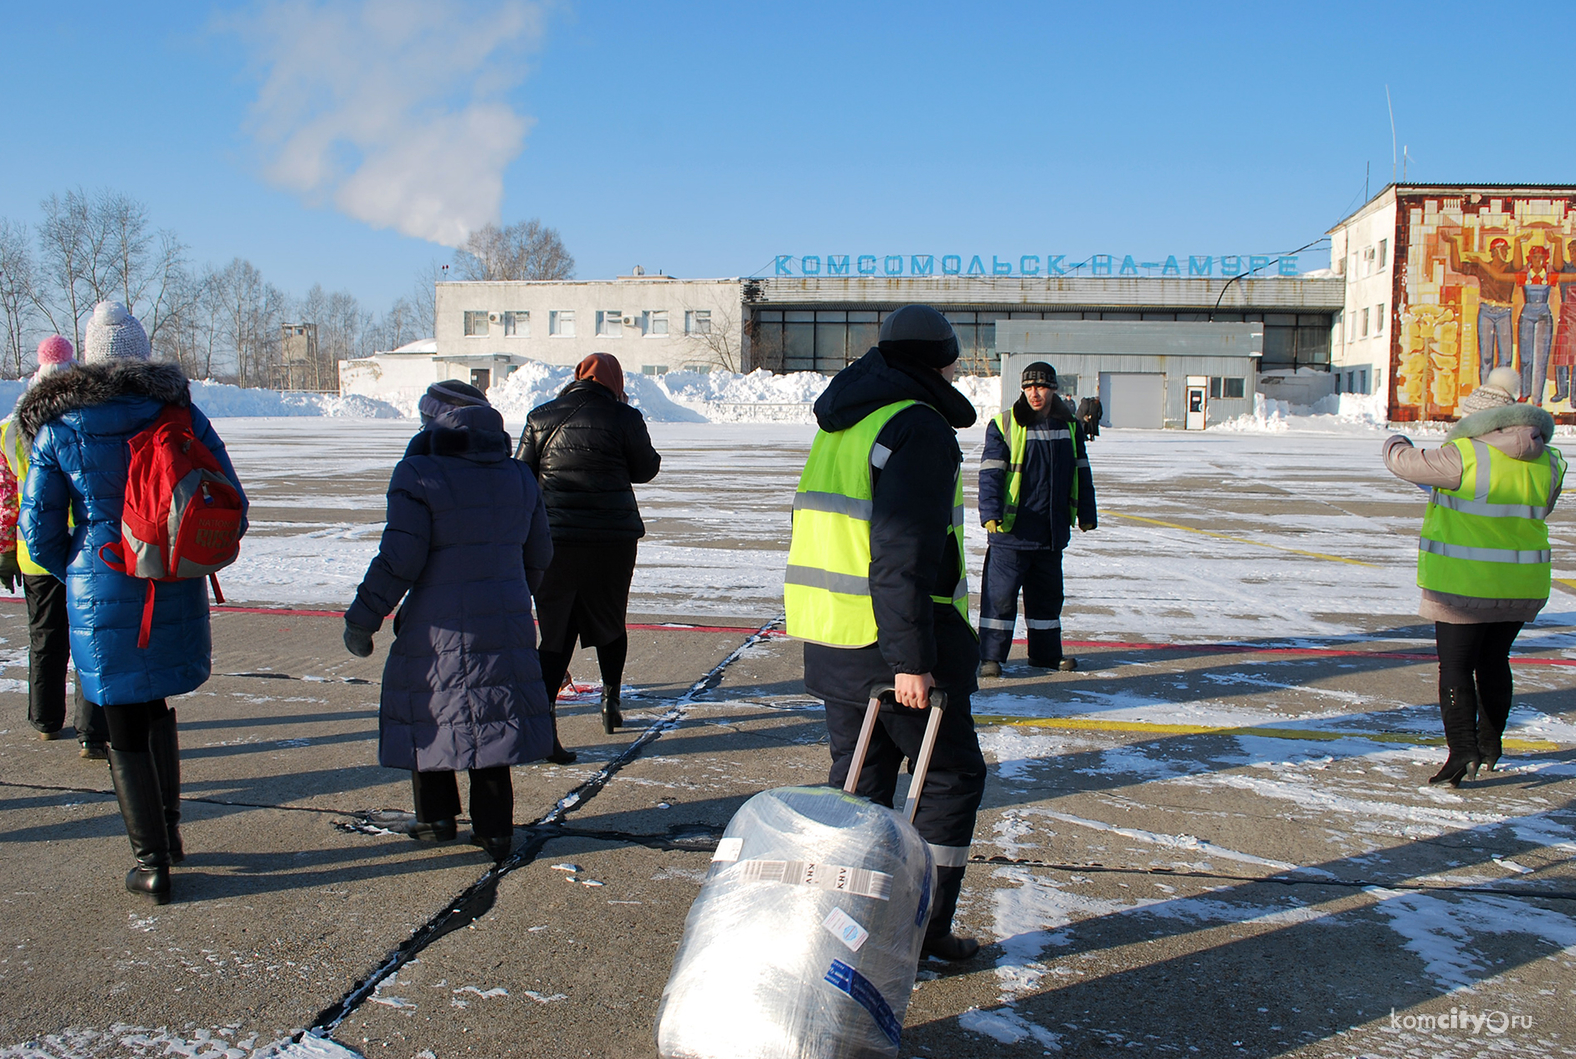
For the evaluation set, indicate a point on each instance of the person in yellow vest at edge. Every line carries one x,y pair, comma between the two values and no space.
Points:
1034,484
48,635
876,585
1483,562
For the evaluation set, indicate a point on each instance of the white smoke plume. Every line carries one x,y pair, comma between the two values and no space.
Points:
392,110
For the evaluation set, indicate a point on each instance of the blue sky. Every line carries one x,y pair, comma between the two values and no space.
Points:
703,139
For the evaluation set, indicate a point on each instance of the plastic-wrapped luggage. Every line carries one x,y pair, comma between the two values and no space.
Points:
805,937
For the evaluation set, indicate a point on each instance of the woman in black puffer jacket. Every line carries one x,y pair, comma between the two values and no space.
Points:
587,448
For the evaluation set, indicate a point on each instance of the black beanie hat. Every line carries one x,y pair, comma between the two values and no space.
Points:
920,334
1038,374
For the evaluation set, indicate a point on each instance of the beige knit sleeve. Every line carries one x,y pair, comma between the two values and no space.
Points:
1439,468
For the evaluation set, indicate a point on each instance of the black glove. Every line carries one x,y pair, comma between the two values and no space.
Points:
358,641
9,570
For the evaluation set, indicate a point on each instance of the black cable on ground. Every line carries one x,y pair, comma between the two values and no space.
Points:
477,899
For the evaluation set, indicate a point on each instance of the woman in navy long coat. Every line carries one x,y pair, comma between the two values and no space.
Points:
465,542
79,423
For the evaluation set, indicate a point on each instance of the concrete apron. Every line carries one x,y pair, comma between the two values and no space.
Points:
1220,880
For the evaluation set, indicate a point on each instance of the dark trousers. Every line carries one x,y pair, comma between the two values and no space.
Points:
128,725
48,654
610,658
1037,573
437,797
1477,653
953,786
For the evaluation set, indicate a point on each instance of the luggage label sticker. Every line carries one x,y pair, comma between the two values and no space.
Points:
839,878
841,926
728,850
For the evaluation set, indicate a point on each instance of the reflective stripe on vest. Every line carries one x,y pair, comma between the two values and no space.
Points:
17,455
826,589
1487,539
1018,438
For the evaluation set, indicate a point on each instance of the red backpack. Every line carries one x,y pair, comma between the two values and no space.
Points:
182,515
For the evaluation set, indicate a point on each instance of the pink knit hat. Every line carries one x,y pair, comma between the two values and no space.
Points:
56,349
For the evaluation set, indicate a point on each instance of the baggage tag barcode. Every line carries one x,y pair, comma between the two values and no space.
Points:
836,877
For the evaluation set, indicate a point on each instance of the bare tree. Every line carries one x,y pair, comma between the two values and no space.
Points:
397,327
65,249
249,310
16,295
186,334
424,298
526,250
715,336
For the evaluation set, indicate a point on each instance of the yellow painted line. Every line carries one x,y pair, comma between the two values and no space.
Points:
1241,540
1565,582
1093,724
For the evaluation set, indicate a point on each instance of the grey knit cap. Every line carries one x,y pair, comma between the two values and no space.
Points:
114,334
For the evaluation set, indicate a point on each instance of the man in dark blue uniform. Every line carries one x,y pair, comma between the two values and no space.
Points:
1034,484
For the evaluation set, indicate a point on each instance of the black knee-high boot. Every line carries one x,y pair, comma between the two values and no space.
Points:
1458,710
164,744
142,808
1493,713
555,666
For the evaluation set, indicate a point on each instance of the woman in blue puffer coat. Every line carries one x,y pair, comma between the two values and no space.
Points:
467,539
79,423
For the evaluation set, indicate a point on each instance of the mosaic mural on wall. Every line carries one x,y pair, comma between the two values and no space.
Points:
1488,282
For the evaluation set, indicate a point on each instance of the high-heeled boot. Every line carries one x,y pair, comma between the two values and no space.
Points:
1458,710
1493,713
164,744
137,789
558,755
612,719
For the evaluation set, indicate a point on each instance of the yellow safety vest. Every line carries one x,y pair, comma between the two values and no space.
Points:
17,455
826,590
1017,437
1487,538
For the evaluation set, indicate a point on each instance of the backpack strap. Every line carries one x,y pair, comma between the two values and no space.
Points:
146,631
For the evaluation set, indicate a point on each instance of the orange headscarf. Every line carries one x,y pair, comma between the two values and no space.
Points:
603,368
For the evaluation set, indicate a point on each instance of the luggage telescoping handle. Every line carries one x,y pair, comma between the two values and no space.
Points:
887,694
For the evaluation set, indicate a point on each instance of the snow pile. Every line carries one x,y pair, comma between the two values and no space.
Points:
536,383
1339,412
222,401
983,392
759,397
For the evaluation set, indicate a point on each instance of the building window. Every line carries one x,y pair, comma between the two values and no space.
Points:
697,322
475,324
1365,322
653,369
1227,387
1384,250
561,324
610,323
657,322
1379,319
517,324
1068,385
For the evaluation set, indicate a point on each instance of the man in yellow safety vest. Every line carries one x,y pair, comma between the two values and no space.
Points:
876,584
1035,484
1483,560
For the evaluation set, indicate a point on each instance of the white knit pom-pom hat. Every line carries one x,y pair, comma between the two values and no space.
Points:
114,334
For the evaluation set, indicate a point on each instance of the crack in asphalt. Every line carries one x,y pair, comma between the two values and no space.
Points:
477,899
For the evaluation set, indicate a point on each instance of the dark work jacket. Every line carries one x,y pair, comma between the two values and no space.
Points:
466,537
1045,499
911,556
586,449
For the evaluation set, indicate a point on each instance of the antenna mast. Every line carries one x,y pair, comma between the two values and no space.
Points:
1391,108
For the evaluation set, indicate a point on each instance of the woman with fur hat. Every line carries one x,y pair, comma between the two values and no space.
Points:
589,448
464,547
1483,562
48,637
78,424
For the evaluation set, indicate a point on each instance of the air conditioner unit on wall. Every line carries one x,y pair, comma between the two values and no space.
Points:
495,318
631,321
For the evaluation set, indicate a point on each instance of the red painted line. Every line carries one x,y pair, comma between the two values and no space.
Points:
1119,645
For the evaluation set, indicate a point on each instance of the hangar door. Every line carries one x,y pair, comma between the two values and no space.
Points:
1133,399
